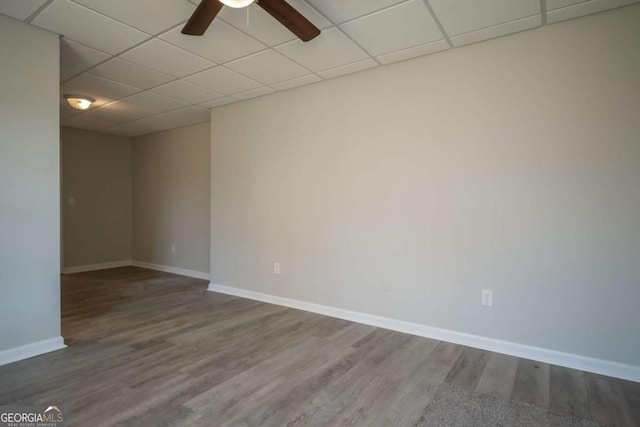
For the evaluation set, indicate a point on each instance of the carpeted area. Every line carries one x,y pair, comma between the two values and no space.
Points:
453,406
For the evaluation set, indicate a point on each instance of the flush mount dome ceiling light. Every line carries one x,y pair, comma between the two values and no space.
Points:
237,3
79,102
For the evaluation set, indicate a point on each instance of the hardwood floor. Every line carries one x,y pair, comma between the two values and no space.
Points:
155,349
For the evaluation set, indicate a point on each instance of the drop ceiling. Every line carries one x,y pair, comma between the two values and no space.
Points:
146,76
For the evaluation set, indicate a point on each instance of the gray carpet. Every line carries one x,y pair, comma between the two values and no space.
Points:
454,406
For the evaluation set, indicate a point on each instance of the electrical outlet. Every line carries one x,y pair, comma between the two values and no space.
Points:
72,201
276,268
487,298
386,286
173,249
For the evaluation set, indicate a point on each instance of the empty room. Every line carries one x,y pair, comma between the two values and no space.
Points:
320,213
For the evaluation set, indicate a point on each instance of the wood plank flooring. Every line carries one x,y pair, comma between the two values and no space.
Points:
153,349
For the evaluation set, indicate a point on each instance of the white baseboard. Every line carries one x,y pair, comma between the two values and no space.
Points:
174,270
569,360
93,267
142,264
30,350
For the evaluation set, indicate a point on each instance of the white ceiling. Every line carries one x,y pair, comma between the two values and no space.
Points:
146,76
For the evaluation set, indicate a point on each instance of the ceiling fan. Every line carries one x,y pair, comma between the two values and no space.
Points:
279,9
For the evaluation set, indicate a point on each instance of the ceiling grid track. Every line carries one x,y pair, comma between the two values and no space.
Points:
37,12
149,49
438,23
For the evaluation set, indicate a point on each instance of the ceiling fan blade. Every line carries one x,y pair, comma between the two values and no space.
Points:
202,17
290,18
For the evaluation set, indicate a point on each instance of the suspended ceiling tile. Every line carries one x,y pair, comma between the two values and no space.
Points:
558,4
166,58
20,9
218,102
348,69
265,27
94,119
413,52
330,49
220,43
155,102
90,28
399,27
127,72
86,123
177,118
497,30
254,93
66,73
463,16
223,81
300,81
87,83
131,110
561,10
310,13
186,92
185,116
78,57
268,67
150,16
340,11
261,25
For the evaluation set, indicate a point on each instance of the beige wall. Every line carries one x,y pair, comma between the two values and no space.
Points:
171,198
96,172
29,187
509,165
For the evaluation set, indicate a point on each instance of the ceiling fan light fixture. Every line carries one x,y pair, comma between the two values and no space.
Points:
282,11
79,102
237,3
